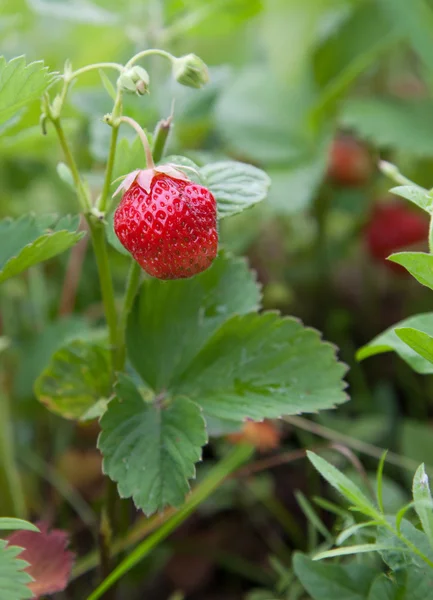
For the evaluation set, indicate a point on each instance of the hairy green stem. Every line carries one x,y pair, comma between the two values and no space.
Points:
130,292
105,192
218,474
143,137
88,68
149,52
83,197
12,502
97,232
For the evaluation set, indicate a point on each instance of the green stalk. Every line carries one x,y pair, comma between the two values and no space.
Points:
106,282
130,293
83,197
12,502
218,474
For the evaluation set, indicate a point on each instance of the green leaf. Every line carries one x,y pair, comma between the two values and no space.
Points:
355,550
193,171
258,366
330,581
416,443
415,194
392,122
415,23
150,448
294,185
20,84
402,555
78,11
411,583
423,501
13,578
418,341
236,186
11,523
312,516
176,318
29,240
35,353
419,265
77,378
106,82
343,484
263,119
129,156
379,481
389,341
359,42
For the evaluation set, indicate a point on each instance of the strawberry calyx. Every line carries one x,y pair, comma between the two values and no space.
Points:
144,177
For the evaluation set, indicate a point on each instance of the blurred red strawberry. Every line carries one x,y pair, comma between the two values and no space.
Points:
349,163
264,435
394,227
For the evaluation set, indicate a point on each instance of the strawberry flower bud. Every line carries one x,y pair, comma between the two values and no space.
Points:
191,71
134,80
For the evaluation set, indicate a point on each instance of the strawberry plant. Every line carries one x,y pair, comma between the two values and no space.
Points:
184,355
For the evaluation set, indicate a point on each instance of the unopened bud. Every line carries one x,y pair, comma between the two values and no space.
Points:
191,71
134,80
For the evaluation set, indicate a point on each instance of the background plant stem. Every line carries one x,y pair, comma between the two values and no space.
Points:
236,457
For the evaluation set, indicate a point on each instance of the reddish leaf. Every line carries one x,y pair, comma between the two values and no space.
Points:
50,562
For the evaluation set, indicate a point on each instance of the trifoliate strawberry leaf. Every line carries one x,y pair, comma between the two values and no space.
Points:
263,366
177,318
389,341
50,563
20,84
13,579
235,185
76,380
32,239
150,447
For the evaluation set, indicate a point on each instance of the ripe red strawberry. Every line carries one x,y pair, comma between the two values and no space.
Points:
349,162
393,227
167,222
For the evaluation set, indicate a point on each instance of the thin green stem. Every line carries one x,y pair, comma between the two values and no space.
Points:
12,502
83,197
115,123
130,292
143,138
101,65
218,474
408,543
150,52
430,235
106,282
